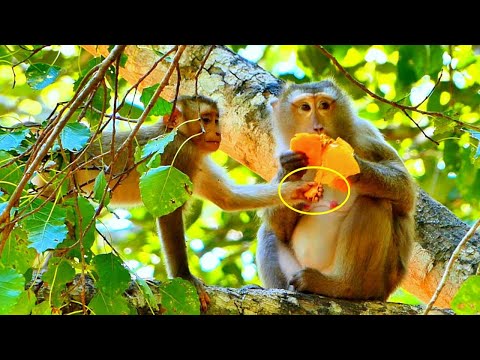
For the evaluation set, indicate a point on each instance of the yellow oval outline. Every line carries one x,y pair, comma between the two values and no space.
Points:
318,168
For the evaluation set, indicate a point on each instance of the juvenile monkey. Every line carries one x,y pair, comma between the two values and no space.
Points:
210,181
360,251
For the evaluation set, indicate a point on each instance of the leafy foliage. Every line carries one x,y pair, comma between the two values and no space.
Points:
41,75
221,246
164,189
179,297
46,226
11,287
467,300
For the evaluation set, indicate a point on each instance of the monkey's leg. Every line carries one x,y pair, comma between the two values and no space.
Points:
268,264
175,252
366,259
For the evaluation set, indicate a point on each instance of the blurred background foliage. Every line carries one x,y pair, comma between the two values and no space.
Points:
222,245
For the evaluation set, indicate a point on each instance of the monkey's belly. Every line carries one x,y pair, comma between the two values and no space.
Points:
314,240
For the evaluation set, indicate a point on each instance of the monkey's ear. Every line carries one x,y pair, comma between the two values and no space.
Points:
273,103
174,120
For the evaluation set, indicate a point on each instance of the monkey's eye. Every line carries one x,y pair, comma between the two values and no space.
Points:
205,120
324,105
216,121
305,107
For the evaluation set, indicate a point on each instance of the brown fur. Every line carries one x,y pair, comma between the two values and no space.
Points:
375,238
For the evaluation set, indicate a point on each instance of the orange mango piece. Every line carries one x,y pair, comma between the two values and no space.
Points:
322,150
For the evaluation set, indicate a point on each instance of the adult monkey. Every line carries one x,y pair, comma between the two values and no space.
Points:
210,181
360,251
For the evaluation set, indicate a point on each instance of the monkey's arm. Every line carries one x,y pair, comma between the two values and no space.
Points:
387,179
174,249
212,182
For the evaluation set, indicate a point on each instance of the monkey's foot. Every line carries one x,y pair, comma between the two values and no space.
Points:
307,280
202,293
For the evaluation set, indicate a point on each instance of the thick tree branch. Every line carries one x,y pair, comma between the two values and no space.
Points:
229,301
243,90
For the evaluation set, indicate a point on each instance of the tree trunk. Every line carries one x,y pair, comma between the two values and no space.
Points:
242,90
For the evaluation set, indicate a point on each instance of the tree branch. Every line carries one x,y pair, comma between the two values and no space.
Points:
243,90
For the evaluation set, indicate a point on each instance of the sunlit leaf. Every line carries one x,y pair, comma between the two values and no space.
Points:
9,175
15,253
59,273
43,308
164,189
74,136
443,126
179,297
157,145
11,287
41,75
105,304
25,304
161,107
100,187
81,220
147,293
467,299
11,140
113,277
46,227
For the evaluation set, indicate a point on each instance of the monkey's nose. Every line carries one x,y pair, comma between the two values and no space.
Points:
318,128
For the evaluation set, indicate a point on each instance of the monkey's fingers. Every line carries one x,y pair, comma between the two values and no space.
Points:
202,293
204,301
291,161
314,193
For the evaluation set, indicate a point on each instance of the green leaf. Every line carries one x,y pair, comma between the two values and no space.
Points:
467,299
80,220
113,277
12,285
100,187
59,273
161,107
157,145
99,98
147,292
164,189
9,175
41,75
16,254
11,140
475,135
74,136
25,304
443,126
179,297
104,304
43,308
123,60
46,228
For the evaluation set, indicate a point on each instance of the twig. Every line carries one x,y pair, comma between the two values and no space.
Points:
197,74
418,126
454,257
392,103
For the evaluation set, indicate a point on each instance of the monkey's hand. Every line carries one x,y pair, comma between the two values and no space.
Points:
292,160
202,293
296,192
307,280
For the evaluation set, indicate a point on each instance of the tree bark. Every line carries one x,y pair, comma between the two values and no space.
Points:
242,90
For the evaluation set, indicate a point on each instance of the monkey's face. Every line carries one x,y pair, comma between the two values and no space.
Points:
312,113
210,139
